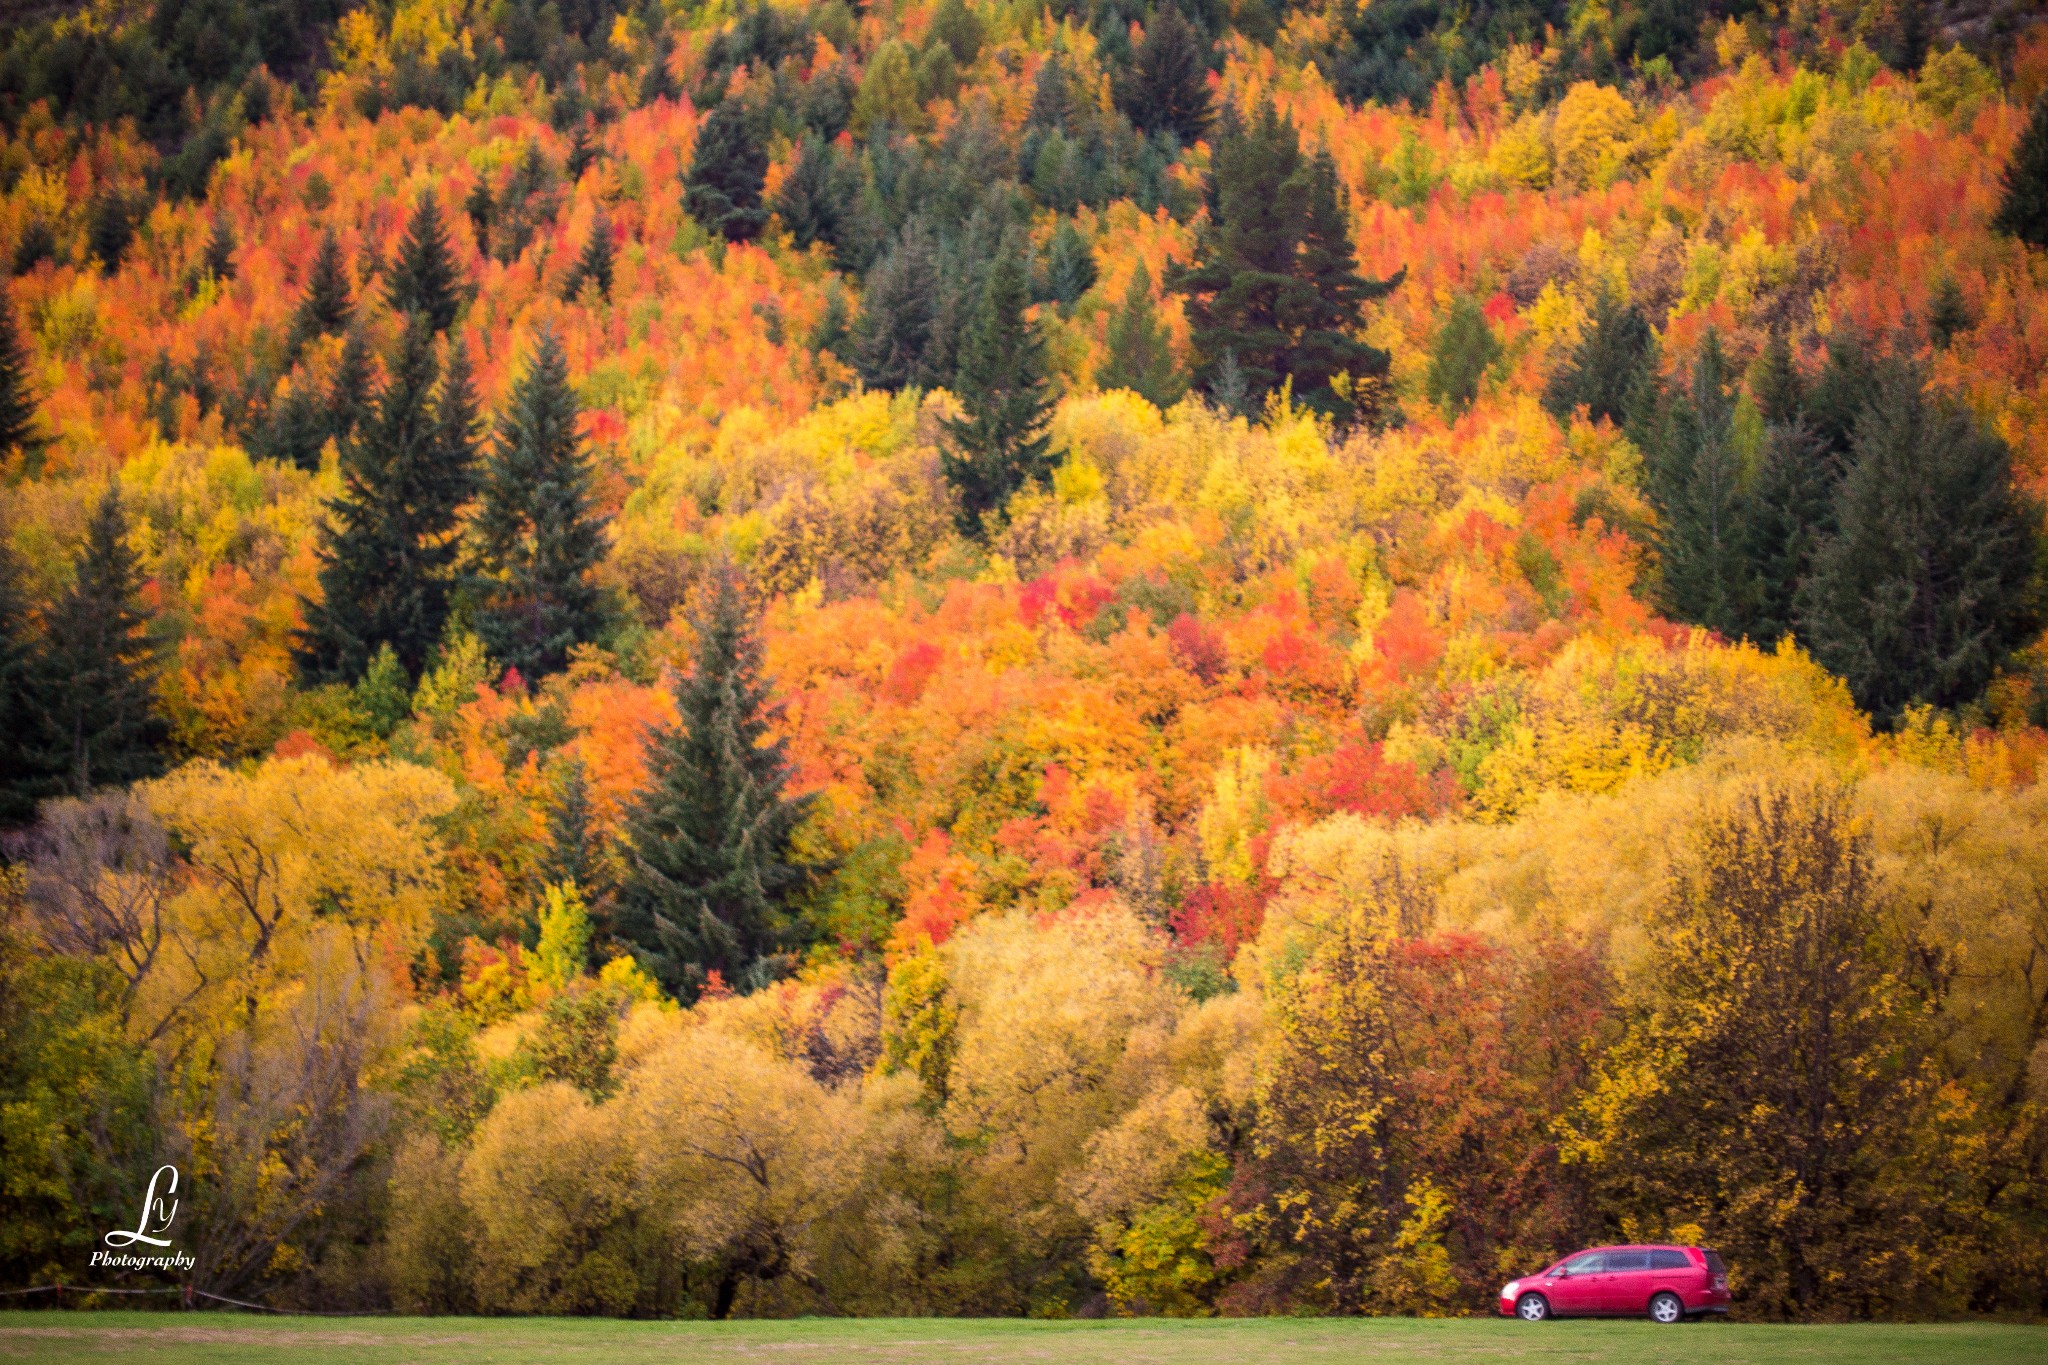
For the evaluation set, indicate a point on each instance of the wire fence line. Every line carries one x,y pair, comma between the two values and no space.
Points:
190,1293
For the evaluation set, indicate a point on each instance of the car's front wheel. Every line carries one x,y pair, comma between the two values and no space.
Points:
1532,1308
1666,1307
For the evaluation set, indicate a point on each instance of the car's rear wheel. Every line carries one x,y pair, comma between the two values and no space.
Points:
1666,1307
1532,1308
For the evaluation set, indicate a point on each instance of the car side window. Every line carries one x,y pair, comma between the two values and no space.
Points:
1584,1264
1669,1260
1619,1261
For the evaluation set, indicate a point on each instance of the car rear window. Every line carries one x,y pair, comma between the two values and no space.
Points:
1715,1265
1627,1260
1668,1260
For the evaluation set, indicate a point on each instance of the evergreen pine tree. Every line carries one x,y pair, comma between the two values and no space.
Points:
1069,266
348,391
1167,88
583,150
1326,304
727,169
19,429
326,309
1788,514
2023,212
1932,579
220,250
1245,256
594,266
538,539
483,211
710,867
100,725
1694,482
1465,348
388,552
809,201
893,334
423,279
1948,312
1140,358
999,443
1777,386
109,229
1607,371
1847,384
573,853
28,771
459,424
296,428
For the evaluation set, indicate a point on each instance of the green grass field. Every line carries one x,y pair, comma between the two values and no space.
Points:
187,1339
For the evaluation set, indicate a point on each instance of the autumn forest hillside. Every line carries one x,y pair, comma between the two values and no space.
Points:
970,657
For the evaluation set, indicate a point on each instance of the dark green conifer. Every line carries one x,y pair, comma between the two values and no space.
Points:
1932,579
594,266
387,554
1069,266
2023,212
1607,371
1787,515
999,443
1140,357
1948,312
1694,477
723,188
574,851
458,421
220,250
296,428
348,391
1776,385
1847,384
583,150
20,431
109,228
422,280
100,724
1167,87
710,865
892,337
482,210
1464,350
326,309
537,536
959,28
28,770
1334,372
810,200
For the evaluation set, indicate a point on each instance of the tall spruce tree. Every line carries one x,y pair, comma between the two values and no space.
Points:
2023,212
482,208
327,308
594,266
29,771
388,552
1787,516
20,434
1776,385
1465,349
1607,371
1694,478
999,442
710,866
100,725
1274,292
1932,579
423,280
349,400
727,170
1140,357
812,199
1166,89
892,337
220,250
1069,266
537,536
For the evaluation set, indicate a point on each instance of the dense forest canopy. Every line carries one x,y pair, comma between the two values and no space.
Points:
954,656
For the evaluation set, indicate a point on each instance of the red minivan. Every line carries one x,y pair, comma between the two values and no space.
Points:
1667,1283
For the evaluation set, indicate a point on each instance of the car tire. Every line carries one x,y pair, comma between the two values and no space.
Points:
1532,1308
1667,1307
